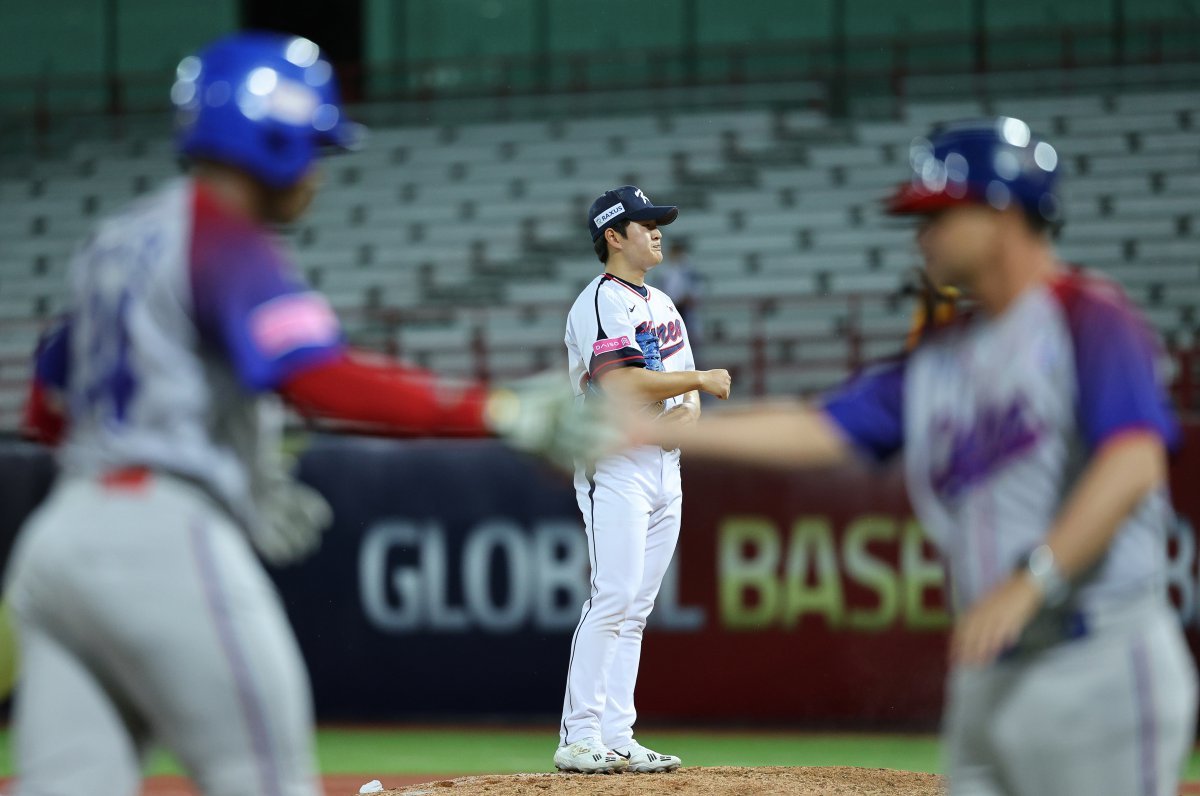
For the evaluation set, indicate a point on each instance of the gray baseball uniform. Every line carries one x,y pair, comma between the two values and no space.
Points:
142,609
997,418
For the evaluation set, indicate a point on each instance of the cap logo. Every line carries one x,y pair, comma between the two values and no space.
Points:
638,193
609,214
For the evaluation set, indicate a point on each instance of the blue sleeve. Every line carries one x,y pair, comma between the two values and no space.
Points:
1116,357
51,362
250,304
869,410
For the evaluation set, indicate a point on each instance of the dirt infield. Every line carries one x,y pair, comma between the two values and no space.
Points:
716,781
720,781
335,784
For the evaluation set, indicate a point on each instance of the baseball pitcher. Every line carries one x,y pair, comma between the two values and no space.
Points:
627,343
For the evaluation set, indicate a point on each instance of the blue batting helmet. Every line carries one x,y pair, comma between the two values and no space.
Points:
996,162
263,102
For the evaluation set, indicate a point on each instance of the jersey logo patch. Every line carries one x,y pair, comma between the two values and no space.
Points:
967,454
611,344
293,321
669,332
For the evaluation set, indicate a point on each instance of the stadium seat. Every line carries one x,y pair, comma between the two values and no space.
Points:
780,203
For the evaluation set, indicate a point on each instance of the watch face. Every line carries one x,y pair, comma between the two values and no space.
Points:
1041,567
1041,561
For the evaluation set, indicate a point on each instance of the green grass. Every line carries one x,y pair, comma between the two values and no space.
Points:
469,751
482,751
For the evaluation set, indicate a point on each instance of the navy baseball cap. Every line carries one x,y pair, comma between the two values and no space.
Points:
628,202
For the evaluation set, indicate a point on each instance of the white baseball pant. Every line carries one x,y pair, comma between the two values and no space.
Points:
631,509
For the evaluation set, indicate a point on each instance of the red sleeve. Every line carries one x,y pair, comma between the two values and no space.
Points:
44,420
387,398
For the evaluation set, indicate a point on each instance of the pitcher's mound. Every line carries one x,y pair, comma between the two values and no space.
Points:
719,781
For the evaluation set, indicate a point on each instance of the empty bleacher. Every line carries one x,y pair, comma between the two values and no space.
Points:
460,247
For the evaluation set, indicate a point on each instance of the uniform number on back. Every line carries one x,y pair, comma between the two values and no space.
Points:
112,280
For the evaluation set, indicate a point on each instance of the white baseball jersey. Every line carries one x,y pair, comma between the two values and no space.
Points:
615,324
997,418
187,315
631,505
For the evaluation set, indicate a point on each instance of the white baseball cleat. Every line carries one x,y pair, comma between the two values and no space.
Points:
646,761
588,756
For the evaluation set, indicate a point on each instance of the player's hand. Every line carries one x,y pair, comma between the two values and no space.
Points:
994,623
541,416
716,382
293,518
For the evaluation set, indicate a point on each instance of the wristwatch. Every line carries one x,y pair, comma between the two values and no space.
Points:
1039,564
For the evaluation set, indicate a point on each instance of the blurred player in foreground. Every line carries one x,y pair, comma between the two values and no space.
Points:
626,340
143,615
1034,435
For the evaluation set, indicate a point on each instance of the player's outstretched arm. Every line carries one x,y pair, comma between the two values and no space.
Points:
863,416
649,386
772,434
382,396
537,414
